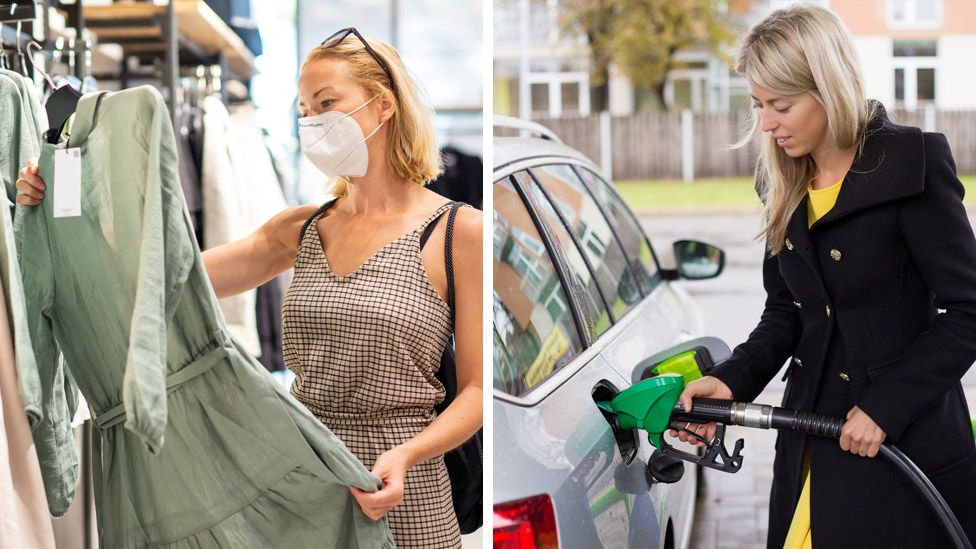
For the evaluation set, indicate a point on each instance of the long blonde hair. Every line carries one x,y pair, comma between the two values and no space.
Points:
411,139
801,48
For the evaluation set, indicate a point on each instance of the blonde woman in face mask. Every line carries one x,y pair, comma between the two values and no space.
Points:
866,241
366,317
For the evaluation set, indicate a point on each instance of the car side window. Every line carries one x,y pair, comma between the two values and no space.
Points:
583,217
535,332
594,307
627,228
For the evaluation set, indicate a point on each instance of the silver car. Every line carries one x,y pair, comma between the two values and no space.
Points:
582,309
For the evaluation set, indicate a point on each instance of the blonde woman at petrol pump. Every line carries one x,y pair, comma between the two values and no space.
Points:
870,279
367,317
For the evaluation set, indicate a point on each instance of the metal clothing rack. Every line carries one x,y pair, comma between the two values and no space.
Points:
17,23
180,33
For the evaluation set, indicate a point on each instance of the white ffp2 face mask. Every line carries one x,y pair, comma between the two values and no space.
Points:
334,142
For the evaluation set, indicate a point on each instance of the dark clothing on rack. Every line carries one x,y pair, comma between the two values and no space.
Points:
461,180
190,173
269,325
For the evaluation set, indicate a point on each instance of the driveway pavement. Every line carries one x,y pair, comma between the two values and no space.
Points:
732,511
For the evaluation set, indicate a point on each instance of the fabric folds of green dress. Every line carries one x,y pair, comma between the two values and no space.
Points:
47,396
197,445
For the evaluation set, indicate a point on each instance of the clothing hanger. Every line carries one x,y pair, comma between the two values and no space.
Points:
4,64
13,16
59,106
20,53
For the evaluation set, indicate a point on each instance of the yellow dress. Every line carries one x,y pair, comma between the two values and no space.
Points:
799,537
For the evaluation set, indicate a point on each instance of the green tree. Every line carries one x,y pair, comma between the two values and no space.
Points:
641,37
595,19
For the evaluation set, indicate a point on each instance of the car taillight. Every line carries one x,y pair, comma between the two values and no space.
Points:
528,523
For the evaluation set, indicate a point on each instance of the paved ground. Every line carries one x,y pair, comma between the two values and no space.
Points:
473,540
732,512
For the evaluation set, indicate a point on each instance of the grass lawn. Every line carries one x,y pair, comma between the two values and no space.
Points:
717,193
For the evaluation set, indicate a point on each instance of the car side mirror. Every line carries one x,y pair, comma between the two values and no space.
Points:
698,260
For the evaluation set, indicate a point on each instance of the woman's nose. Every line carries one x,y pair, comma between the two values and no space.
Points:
767,122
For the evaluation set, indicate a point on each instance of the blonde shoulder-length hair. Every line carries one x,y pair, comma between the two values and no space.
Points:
411,139
794,50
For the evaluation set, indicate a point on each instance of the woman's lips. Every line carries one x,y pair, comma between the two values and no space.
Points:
784,141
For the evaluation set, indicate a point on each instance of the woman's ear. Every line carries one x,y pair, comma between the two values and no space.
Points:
387,106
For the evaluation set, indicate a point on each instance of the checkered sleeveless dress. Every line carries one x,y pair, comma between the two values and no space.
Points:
364,349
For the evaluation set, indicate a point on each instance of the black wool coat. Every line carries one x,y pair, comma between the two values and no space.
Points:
874,306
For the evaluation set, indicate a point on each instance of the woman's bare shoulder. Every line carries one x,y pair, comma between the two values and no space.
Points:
470,222
468,231
286,226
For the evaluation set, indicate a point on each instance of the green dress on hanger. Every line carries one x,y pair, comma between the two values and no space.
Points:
196,444
23,120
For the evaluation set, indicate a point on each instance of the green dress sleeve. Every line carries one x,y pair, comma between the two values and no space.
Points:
53,434
165,259
15,148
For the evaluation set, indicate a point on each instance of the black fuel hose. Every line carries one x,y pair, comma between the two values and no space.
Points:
706,410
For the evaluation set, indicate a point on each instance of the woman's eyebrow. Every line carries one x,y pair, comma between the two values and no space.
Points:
314,95
771,100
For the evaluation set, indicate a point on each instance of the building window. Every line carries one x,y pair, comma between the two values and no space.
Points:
556,94
914,63
914,14
914,83
915,48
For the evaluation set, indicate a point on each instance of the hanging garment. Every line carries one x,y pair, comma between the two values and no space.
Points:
365,348
461,180
24,521
196,445
227,214
190,173
19,141
47,397
269,325
240,193
257,174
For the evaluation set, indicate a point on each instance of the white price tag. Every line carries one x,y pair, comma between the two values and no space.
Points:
67,182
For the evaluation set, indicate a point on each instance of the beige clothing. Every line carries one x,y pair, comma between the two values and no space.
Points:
24,521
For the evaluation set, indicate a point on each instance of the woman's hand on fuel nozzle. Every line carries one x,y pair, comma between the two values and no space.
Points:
706,387
30,186
861,435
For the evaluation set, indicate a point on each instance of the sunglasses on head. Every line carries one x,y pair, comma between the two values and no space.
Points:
337,39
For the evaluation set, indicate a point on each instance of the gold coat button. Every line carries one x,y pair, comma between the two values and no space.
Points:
798,362
789,245
827,308
835,255
845,377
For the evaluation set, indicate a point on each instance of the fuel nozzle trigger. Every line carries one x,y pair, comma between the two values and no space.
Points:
715,455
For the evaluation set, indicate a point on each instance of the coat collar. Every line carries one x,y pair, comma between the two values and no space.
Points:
891,166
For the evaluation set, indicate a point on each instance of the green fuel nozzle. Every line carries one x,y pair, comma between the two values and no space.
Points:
652,406
647,405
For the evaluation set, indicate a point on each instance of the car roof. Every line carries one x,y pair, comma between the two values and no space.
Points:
507,150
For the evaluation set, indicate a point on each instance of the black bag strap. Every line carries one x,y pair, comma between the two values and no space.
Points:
449,258
429,229
322,209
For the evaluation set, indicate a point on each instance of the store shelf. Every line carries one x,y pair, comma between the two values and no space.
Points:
138,28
